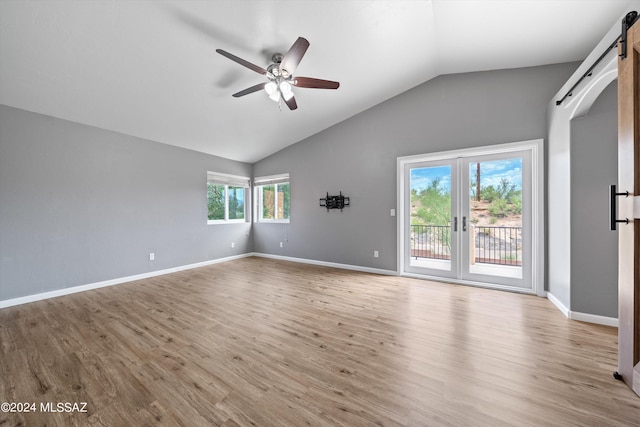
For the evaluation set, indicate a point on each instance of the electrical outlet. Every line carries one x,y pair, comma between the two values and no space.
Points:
393,212
233,244
281,244
152,256
376,254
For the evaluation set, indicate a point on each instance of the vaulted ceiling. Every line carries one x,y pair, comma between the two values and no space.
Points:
150,68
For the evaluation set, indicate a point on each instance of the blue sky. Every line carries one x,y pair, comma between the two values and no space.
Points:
421,178
491,173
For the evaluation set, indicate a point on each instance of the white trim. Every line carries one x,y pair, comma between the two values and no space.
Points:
538,224
485,285
247,203
328,264
97,285
259,205
559,148
227,221
593,318
120,280
573,315
271,179
582,317
228,179
472,151
559,305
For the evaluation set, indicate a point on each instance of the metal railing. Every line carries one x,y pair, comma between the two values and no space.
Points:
497,245
431,241
492,245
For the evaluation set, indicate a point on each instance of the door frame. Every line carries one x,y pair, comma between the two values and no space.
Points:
536,146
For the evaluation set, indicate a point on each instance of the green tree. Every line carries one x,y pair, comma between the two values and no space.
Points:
284,194
505,198
215,201
236,203
434,205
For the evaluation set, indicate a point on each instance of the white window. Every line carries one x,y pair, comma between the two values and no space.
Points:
227,198
274,195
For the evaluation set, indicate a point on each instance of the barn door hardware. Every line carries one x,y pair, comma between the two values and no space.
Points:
334,202
613,214
627,22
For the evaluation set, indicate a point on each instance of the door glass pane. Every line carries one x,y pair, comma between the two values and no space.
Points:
430,217
495,217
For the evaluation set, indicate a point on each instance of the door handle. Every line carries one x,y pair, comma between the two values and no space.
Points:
613,214
464,223
455,223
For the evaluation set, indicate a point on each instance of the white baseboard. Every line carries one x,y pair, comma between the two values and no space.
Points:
593,318
90,286
574,315
555,301
329,264
582,317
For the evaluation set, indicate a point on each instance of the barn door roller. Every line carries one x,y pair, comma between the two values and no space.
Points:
627,22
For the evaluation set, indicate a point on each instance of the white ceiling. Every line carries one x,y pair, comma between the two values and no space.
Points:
149,68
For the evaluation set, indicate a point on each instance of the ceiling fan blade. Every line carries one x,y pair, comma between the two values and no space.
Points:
241,61
291,102
314,83
294,56
249,90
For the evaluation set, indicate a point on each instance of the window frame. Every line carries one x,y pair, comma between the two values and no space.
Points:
234,181
271,180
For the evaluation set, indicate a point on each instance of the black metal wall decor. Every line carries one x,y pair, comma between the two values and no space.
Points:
334,202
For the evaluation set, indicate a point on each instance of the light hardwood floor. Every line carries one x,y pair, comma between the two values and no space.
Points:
270,343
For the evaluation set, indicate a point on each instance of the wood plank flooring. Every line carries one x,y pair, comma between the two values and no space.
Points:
260,342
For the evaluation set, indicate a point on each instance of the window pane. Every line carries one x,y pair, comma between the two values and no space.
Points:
283,200
268,201
236,202
215,201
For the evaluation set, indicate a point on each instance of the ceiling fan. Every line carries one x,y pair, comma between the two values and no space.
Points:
280,75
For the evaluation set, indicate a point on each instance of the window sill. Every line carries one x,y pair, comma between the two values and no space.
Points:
222,221
274,221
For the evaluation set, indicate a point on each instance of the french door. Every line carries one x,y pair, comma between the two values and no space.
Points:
469,217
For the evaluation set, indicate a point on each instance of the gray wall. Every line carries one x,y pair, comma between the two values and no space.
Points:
80,205
358,157
594,249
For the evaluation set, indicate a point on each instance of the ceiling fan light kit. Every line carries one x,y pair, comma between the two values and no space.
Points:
280,75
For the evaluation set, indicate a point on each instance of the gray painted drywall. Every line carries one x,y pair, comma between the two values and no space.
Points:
79,205
594,249
558,153
358,157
